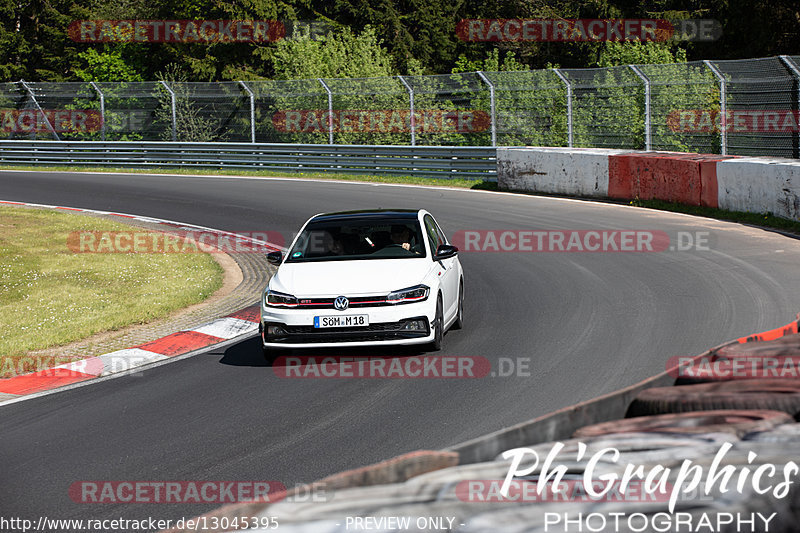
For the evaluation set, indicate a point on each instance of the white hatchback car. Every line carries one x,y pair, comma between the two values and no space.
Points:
358,278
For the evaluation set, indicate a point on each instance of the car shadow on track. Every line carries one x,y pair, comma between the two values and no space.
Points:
248,353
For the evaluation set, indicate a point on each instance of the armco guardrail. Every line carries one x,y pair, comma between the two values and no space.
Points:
428,161
750,184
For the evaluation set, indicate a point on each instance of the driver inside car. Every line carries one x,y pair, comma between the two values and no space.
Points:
401,236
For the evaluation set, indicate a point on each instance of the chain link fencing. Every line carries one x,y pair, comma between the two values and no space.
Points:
738,107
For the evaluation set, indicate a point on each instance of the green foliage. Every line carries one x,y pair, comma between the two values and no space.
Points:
190,124
106,66
635,53
491,63
342,54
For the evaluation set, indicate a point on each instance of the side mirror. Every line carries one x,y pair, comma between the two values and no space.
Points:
275,257
445,251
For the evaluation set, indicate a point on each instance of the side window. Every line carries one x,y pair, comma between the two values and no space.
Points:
434,234
440,233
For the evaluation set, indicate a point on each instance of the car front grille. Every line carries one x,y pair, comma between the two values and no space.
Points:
382,331
355,302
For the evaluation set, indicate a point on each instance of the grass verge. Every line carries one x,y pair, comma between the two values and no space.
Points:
407,180
764,220
51,296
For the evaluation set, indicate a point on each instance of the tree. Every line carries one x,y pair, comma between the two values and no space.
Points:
108,65
33,39
342,54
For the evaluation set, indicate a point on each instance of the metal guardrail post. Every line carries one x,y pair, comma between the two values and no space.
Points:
36,103
492,108
252,111
412,119
791,65
174,112
648,124
723,105
330,110
569,105
102,109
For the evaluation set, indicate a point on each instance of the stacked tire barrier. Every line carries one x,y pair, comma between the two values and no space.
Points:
748,184
658,425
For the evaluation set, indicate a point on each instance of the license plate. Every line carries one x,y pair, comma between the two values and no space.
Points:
341,321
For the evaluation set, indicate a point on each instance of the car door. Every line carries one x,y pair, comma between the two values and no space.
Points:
449,271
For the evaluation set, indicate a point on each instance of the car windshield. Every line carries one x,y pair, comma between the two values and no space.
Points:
350,239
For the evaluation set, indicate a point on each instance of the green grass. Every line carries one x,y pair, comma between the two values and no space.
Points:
407,180
765,220
51,296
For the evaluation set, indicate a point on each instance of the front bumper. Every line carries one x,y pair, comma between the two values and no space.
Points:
387,326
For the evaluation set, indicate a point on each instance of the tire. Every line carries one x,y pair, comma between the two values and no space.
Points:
779,358
738,422
787,433
459,323
438,331
771,394
788,345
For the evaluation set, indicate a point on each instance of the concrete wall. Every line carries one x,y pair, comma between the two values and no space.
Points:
671,176
578,171
760,185
749,184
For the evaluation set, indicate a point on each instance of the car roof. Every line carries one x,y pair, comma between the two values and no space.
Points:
375,214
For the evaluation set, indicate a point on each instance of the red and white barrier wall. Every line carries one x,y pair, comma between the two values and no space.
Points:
750,184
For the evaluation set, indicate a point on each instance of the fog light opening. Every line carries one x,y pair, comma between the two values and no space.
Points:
414,325
275,330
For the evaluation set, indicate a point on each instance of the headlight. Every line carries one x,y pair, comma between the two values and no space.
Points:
409,295
278,299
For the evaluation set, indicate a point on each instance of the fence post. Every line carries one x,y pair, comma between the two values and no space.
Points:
174,112
492,107
36,103
102,109
330,110
791,65
568,83
723,105
252,111
411,109
648,124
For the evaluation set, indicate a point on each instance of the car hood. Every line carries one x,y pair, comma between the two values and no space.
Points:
349,278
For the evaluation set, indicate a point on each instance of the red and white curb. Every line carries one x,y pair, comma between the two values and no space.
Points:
242,322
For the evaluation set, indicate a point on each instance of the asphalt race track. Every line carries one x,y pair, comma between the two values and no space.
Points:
589,323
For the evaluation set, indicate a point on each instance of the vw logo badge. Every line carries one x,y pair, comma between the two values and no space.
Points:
341,303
